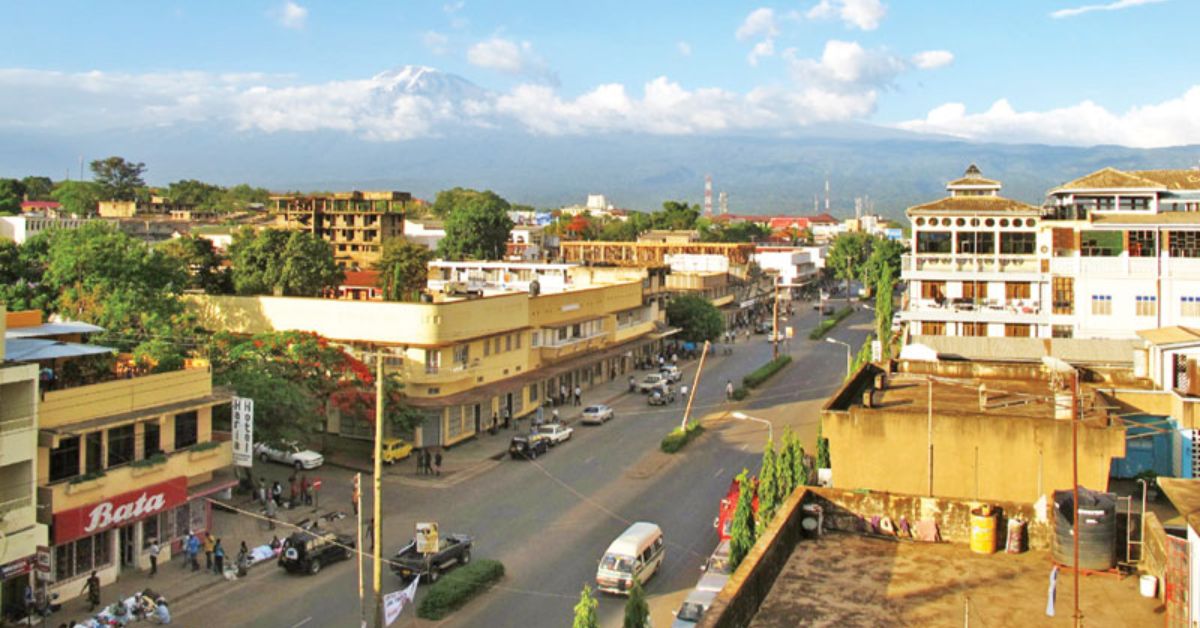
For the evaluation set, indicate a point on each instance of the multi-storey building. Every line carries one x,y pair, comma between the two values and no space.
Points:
19,526
122,456
355,223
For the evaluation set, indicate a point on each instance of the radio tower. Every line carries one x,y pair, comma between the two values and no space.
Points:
723,202
826,195
708,195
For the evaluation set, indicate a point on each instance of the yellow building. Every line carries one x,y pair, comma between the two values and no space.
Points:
467,360
22,533
122,457
355,223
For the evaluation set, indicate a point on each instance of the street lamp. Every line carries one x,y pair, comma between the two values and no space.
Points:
848,351
742,416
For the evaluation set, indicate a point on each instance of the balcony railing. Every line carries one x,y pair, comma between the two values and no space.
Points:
979,311
970,263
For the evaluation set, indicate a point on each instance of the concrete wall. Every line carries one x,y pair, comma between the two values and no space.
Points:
1154,552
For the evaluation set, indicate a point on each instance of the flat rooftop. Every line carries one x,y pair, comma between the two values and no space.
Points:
851,580
1006,397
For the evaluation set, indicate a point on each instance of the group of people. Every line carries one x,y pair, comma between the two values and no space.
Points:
144,605
566,396
428,463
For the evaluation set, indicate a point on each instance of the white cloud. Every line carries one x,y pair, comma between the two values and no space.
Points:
931,59
760,23
847,65
1173,122
862,14
1111,6
764,48
436,42
292,15
684,48
510,57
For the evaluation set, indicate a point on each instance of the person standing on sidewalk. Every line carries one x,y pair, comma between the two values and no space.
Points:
219,558
370,532
262,490
92,586
209,544
304,488
437,463
428,463
578,395
193,548
154,550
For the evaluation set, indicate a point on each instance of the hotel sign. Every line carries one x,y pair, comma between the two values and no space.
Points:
119,510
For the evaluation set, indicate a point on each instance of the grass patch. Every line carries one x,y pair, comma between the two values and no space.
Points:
454,589
764,372
677,438
823,328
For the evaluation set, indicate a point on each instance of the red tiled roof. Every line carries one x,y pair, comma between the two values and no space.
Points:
361,278
40,205
823,219
787,222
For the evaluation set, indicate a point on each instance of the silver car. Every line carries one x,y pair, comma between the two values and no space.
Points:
692,610
596,415
717,570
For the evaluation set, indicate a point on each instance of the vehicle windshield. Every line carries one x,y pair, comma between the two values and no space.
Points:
617,563
592,410
690,611
719,565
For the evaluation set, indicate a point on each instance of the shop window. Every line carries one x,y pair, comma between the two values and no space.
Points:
120,445
94,461
1018,243
1063,289
151,438
1147,305
1101,304
64,459
80,557
186,429
1141,244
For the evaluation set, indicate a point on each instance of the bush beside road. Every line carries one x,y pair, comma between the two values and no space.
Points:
764,372
678,437
458,587
824,326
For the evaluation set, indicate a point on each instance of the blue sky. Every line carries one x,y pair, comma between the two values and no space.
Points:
1121,72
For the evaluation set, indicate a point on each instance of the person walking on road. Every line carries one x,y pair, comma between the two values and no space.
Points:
219,558
270,512
428,463
729,390
578,395
304,494
262,491
92,586
437,463
277,493
209,544
562,394
154,550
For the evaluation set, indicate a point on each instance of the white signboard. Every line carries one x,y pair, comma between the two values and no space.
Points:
243,432
395,602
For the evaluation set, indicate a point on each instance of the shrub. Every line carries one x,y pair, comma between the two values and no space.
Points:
677,438
829,323
740,393
458,587
764,372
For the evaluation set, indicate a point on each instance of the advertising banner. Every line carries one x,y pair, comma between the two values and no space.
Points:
119,510
243,432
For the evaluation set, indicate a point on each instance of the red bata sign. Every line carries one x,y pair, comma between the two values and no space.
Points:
119,510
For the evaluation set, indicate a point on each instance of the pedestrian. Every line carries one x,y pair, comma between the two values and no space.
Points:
729,390
428,463
304,488
661,361
209,544
507,413
270,515
262,490
562,394
293,490
219,558
555,416
154,550
632,384
674,358
193,549
277,493
437,462
243,560
495,421
683,391
354,499
578,395
92,586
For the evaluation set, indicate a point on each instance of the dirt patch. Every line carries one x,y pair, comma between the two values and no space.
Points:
851,580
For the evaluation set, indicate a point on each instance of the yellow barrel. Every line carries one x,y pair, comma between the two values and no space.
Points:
983,530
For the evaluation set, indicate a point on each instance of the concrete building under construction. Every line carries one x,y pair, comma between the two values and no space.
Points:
355,223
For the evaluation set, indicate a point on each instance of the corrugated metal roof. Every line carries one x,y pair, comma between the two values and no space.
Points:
52,329
35,349
1175,334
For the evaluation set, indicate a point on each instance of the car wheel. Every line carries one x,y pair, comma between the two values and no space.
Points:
264,457
314,566
466,557
299,465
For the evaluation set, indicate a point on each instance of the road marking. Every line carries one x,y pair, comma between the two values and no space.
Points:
719,472
302,622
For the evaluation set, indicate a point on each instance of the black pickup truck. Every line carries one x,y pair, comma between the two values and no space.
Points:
453,550
307,552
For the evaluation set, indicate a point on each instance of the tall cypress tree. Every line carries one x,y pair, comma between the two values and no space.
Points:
585,610
741,532
784,468
768,487
637,611
822,448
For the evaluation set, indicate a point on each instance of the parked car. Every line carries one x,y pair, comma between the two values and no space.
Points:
596,414
693,608
453,550
671,373
661,395
716,570
762,327
308,552
650,381
394,450
528,446
289,453
555,433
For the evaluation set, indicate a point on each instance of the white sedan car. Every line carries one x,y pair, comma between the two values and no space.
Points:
596,414
555,432
651,381
290,454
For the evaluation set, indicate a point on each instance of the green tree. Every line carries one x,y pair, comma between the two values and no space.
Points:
768,487
675,215
308,266
403,269
119,180
822,448
447,201
741,531
203,262
884,252
37,188
637,610
159,355
785,469
77,197
799,469
12,192
743,231
192,192
241,197
294,263
477,225
696,317
847,255
22,268
885,310
585,610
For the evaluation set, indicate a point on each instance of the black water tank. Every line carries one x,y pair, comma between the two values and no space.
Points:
1098,530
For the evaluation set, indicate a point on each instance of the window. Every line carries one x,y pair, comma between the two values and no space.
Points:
462,354
1062,331
64,459
974,289
933,328
1141,244
433,360
535,339
508,342
934,242
496,345
1018,243
976,242
487,348
1134,203
517,340
1018,330
1101,304
1100,243
1063,289
1063,241
151,438
82,556
974,329
1147,305
1189,306
533,392
94,461
120,445
933,290
1184,243
1183,379
186,429
1017,290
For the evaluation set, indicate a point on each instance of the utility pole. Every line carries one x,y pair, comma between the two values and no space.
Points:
377,530
929,435
775,323
362,611
1075,488
687,411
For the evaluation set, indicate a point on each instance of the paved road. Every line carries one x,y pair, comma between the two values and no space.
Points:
549,521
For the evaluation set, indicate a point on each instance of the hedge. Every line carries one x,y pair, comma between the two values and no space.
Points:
829,323
457,587
740,393
764,372
677,438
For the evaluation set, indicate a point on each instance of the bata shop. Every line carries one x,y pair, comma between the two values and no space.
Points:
114,534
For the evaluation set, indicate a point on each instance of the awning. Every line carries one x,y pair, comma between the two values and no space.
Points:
52,329
37,349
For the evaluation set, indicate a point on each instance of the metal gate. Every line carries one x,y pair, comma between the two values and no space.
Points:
1177,583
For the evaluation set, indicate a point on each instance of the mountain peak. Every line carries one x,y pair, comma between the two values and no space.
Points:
423,80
